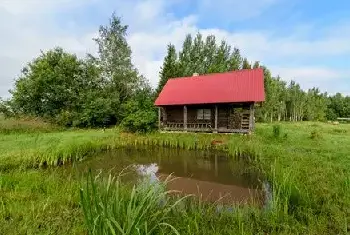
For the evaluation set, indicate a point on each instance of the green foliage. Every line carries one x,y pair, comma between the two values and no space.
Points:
5,108
169,69
338,106
276,130
246,64
90,92
140,113
315,135
47,84
199,55
139,121
114,60
110,207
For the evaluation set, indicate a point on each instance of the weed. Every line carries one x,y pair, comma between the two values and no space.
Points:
276,130
339,131
315,135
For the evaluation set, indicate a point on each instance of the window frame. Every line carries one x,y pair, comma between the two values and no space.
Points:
204,114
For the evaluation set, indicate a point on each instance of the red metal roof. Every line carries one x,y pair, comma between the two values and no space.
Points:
237,86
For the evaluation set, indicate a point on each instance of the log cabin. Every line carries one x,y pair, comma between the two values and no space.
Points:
218,103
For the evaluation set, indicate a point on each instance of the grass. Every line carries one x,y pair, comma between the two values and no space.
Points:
25,125
39,202
307,165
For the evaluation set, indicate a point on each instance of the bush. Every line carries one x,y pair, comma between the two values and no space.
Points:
140,121
315,135
339,131
276,131
139,112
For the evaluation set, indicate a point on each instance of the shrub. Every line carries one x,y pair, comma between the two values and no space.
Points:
340,131
139,112
315,135
140,121
276,131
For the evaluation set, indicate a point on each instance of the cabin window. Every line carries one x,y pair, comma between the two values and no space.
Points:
203,114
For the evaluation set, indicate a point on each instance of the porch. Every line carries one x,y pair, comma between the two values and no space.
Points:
219,118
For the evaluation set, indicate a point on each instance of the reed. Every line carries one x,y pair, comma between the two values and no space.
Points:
111,208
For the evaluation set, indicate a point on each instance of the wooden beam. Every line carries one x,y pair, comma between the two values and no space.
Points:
165,116
159,116
251,117
185,117
216,119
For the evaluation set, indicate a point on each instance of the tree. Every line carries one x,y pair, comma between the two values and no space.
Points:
197,55
246,64
236,60
139,113
338,106
201,56
5,108
282,101
222,58
209,53
48,85
64,89
256,65
114,59
185,60
169,68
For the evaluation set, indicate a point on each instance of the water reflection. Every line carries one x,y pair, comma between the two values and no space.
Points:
209,175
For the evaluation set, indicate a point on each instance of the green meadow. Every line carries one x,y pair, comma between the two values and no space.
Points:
307,165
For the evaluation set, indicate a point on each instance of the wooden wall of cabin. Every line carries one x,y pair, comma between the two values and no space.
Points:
175,114
229,115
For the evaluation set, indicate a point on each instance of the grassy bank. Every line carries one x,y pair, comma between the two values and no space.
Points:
39,202
26,125
307,164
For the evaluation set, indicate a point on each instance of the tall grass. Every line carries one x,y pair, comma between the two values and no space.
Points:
52,149
25,125
40,202
110,208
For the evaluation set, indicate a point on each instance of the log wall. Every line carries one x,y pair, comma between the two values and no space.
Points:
230,117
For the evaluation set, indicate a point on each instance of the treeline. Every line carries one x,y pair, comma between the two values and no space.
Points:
91,92
107,89
284,101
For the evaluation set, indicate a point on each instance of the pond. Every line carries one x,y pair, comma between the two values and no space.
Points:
212,176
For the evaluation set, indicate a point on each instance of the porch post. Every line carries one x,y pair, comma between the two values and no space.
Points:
165,117
251,117
185,117
216,119
159,116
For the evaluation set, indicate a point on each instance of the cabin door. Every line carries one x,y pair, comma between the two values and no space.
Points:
223,117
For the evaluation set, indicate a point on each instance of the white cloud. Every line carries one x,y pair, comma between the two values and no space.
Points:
28,27
327,79
310,74
33,7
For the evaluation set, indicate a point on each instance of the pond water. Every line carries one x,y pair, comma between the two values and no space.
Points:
212,176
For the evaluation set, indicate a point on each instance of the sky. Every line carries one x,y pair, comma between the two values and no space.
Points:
304,40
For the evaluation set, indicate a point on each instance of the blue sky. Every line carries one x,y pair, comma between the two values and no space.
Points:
304,40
